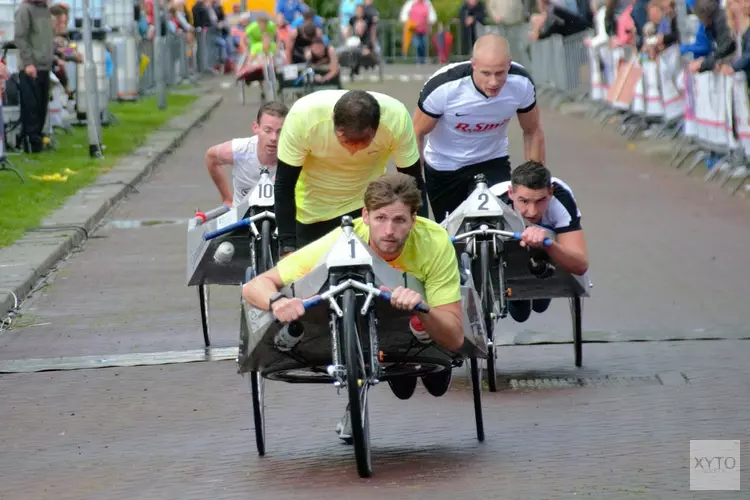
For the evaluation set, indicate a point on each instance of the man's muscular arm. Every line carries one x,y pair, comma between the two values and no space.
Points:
533,136
415,170
568,251
216,157
423,125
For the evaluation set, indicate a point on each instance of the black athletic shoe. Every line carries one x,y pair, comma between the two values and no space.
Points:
438,383
540,305
519,310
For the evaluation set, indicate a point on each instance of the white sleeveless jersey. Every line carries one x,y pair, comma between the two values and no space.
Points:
472,127
246,169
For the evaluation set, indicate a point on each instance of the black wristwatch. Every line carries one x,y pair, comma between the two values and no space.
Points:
275,297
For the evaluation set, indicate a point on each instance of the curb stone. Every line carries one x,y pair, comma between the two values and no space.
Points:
30,258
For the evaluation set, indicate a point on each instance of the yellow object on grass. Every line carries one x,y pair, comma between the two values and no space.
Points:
56,177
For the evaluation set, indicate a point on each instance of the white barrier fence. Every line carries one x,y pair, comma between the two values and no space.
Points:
708,111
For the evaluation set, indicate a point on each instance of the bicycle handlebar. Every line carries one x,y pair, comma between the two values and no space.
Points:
507,234
314,301
228,229
203,217
237,225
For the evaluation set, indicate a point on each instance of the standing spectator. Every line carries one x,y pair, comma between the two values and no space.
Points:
471,13
290,9
419,16
374,16
34,36
713,18
347,10
309,15
223,38
282,29
742,63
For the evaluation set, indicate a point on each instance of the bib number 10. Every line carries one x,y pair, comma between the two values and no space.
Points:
265,192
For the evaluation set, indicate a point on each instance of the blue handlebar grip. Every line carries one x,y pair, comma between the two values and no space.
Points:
547,241
421,307
307,304
225,230
453,239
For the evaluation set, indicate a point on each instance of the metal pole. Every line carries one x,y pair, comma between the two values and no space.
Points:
92,97
682,22
161,88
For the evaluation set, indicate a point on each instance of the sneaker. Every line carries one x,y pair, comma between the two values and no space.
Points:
438,383
519,310
403,387
417,329
344,428
540,305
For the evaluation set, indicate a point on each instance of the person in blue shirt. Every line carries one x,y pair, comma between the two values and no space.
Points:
309,14
291,9
721,44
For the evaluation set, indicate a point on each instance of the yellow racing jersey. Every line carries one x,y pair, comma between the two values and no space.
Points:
428,255
333,181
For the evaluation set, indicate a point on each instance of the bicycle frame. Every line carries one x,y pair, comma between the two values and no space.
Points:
337,369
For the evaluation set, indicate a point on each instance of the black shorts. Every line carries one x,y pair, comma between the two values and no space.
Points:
307,233
448,189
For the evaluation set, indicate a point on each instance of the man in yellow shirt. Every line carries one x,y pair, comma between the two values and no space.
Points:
333,143
413,244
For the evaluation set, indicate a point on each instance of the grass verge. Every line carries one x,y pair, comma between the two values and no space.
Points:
53,176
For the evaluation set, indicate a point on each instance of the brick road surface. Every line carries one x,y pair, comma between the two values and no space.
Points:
666,260
185,431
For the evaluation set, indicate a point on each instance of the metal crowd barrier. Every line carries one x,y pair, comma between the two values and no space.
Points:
390,37
707,113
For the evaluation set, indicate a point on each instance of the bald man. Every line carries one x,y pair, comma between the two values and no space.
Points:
463,112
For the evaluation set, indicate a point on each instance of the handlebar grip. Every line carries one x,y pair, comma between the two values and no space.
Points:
547,241
421,307
307,304
225,230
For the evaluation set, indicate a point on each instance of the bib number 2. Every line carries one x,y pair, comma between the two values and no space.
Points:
484,198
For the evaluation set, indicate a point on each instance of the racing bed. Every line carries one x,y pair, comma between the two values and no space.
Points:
351,337
224,242
486,233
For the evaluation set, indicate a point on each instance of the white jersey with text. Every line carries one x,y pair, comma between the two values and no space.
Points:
562,215
472,127
246,167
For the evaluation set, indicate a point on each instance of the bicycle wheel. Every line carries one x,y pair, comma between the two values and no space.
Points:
476,389
357,385
576,312
487,296
263,263
259,414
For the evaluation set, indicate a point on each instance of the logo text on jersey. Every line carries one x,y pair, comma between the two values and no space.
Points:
480,127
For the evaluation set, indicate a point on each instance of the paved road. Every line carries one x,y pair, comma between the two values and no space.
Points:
667,263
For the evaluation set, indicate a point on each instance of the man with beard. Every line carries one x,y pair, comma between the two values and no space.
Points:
247,155
407,242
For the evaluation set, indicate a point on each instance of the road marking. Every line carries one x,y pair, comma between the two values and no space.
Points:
118,360
219,354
